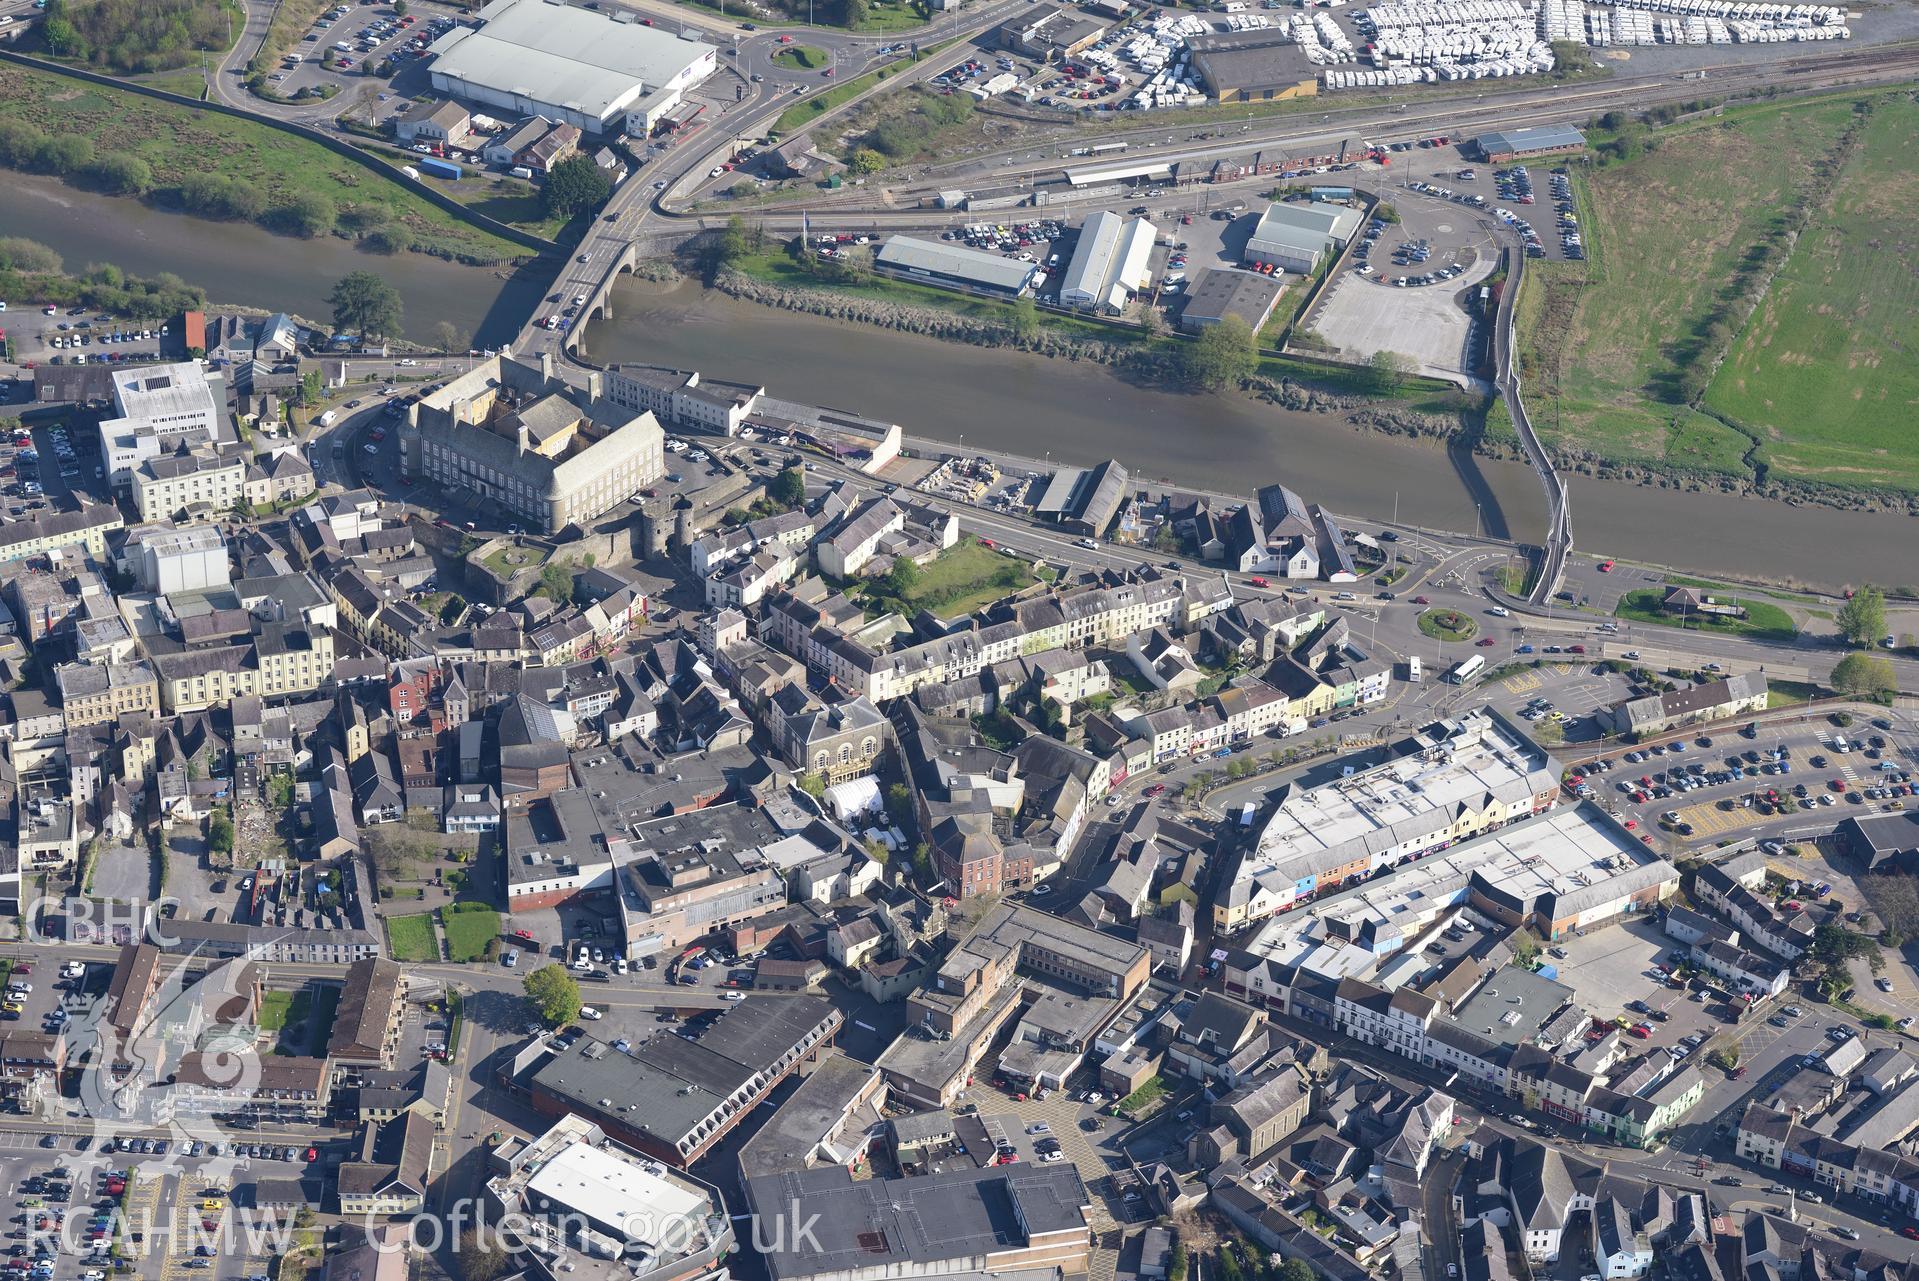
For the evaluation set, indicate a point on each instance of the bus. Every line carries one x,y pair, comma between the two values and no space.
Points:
1412,670
1466,668
1107,148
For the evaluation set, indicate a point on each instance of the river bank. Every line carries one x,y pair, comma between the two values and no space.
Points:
1431,414
104,136
1374,459
241,264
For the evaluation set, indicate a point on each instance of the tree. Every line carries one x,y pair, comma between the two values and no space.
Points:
308,214
899,804
121,173
399,8
902,578
1295,1270
1862,620
1836,947
554,994
312,387
556,584
728,247
1176,1270
1725,1057
876,849
479,1255
1867,675
923,861
220,833
814,785
65,153
365,304
866,160
575,185
788,488
449,337
1525,947
1390,369
1222,356
1025,319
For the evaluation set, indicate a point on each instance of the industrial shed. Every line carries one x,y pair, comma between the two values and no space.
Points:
1111,262
1502,145
1224,292
1295,237
955,266
587,69
1083,499
1259,65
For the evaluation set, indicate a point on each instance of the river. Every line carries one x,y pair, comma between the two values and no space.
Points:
239,263
1029,405
1023,404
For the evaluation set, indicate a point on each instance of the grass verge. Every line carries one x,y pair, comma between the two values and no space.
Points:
805,112
1762,622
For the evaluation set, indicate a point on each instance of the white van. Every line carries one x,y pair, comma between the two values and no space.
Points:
327,419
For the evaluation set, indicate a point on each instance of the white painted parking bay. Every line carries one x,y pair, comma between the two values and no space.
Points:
1362,316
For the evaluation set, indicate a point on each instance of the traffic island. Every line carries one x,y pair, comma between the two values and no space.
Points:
1448,625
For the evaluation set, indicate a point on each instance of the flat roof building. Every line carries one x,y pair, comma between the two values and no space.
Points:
829,1120
1502,145
598,72
663,1223
1252,66
1111,263
674,1098
158,408
1002,1220
1225,291
955,266
1454,778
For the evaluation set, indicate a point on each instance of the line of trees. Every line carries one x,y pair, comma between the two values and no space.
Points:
307,214
29,269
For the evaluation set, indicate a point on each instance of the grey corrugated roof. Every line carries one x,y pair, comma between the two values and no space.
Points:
1538,138
907,253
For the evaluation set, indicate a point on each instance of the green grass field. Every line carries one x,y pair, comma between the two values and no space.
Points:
274,1007
1825,371
410,938
1762,621
1605,343
1447,625
966,577
178,141
468,932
